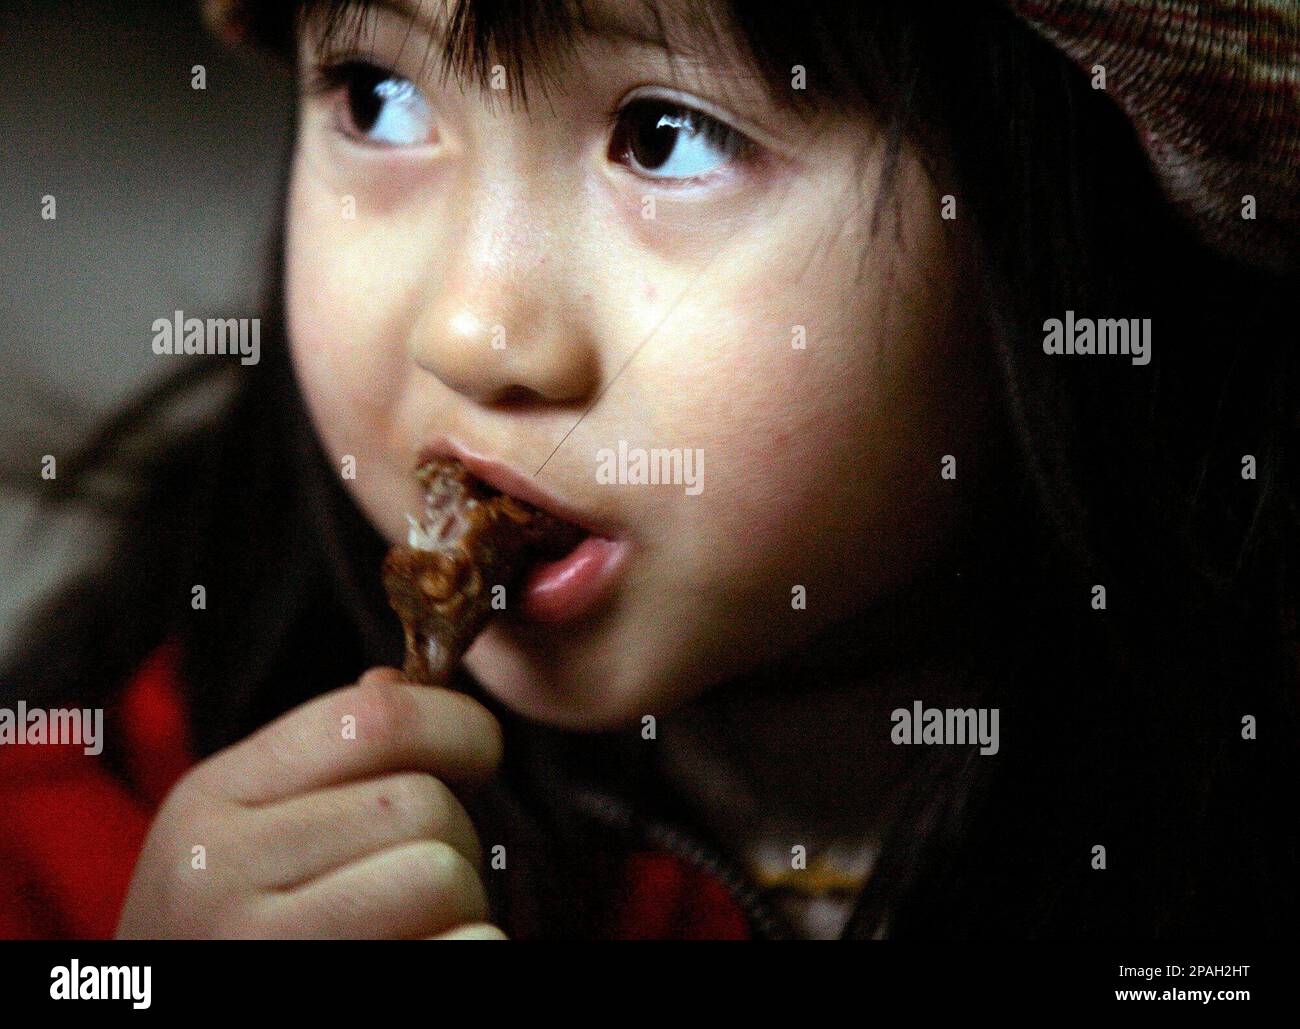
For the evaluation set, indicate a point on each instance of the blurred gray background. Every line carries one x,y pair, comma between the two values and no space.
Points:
166,197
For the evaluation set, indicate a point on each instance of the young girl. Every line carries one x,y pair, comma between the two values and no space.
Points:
967,608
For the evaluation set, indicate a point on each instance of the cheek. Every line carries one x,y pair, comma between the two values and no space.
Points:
343,325
822,463
782,494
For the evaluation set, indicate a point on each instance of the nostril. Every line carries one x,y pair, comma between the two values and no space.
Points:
517,396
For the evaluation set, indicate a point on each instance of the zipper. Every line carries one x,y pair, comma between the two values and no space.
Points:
764,921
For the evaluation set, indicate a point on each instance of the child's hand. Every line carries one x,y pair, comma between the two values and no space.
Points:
328,822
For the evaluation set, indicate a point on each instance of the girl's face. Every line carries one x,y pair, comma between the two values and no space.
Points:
614,271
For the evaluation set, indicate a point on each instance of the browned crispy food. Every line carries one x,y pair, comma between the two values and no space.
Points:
470,540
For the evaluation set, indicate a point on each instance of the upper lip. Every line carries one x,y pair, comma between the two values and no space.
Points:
504,479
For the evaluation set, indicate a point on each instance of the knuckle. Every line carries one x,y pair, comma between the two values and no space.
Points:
384,711
437,861
425,807
452,878
382,673
419,802
478,716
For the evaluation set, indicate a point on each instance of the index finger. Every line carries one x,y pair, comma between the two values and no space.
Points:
381,724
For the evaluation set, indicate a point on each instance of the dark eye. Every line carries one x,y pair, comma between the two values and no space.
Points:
664,140
379,106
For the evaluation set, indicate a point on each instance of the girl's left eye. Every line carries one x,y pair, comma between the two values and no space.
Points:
660,139
378,106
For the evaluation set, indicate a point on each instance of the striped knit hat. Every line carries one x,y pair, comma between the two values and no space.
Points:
1212,87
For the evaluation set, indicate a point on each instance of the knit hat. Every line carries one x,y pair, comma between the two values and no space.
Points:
1212,87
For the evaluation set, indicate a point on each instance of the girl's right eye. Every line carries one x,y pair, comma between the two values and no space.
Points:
377,106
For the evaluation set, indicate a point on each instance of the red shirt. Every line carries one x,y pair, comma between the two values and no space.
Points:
72,831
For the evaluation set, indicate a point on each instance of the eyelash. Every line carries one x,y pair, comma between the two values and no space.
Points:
738,148
330,75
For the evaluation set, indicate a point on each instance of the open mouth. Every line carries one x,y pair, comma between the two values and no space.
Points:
464,515
474,547
456,504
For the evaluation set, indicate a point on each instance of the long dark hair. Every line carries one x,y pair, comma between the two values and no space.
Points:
1127,721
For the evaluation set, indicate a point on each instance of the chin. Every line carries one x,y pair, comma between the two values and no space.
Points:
536,689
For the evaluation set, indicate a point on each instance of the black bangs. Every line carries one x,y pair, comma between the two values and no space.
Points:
801,55
530,40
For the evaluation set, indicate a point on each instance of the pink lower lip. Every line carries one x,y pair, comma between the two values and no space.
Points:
559,591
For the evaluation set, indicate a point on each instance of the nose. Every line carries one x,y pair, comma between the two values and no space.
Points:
501,325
